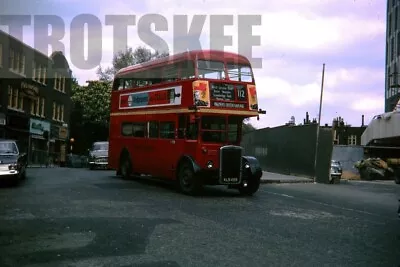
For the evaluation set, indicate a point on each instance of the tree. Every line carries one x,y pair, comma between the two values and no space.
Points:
94,101
127,58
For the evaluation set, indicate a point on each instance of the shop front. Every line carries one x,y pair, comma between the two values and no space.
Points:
38,142
17,128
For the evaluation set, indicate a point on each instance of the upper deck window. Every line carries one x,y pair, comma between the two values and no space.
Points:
241,73
211,69
171,72
187,70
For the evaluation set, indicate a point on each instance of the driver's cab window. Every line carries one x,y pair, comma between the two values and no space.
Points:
234,129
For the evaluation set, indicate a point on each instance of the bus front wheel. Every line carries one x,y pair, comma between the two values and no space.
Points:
187,181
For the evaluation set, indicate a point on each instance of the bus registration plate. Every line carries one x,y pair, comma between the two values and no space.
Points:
230,180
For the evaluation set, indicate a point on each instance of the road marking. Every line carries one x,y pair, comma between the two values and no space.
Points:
282,195
325,204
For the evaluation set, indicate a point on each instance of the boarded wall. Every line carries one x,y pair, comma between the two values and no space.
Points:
348,155
291,150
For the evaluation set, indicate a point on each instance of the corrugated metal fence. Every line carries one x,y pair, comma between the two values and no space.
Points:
291,150
348,156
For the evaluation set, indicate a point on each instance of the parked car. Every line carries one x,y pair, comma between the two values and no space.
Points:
336,171
98,155
13,162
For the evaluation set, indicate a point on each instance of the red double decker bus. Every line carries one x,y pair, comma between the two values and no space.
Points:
180,118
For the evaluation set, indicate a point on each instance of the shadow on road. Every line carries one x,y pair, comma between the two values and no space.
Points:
58,239
157,183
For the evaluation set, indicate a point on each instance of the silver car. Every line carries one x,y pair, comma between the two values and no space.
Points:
98,155
336,171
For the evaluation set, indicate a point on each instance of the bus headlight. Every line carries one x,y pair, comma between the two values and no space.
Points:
247,166
210,164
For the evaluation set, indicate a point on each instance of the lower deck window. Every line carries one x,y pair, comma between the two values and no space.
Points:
133,129
167,130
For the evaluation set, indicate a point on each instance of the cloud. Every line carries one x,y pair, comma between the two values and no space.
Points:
368,104
296,38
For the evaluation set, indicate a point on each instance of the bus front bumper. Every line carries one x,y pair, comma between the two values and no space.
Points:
211,177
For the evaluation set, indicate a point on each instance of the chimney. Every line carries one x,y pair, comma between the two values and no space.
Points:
362,120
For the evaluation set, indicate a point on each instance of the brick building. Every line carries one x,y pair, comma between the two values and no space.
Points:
345,134
35,99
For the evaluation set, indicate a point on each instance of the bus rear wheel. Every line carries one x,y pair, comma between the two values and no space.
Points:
125,168
187,181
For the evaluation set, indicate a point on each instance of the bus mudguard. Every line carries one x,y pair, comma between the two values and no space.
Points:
254,166
124,153
187,158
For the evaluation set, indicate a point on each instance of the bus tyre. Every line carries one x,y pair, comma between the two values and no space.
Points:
187,182
252,187
125,168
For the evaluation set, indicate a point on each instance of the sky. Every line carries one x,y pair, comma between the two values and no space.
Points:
296,39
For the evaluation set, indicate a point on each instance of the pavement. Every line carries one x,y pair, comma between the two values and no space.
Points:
269,177
78,217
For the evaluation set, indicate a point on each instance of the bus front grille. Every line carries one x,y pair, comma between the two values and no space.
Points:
230,169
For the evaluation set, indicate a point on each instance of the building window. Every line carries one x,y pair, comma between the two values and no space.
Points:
392,48
62,113
59,82
55,80
38,73
34,70
21,102
42,104
11,65
58,117
398,44
44,74
22,64
58,112
15,99
352,140
10,96
54,110
35,106
17,62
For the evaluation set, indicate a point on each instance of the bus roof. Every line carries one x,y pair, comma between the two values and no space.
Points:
189,55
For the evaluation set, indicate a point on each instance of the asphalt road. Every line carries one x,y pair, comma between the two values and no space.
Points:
77,217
